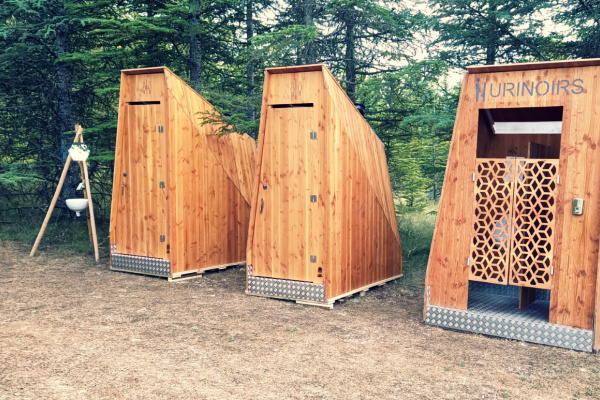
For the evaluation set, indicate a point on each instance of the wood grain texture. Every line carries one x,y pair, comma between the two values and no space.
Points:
204,208
351,228
478,69
575,254
369,149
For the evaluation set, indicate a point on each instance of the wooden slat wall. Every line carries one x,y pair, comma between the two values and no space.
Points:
369,149
208,179
291,228
140,154
363,247
209,200
360,240
576,237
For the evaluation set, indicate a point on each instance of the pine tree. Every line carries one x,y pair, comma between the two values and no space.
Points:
366,37
491,31
583,17
39,35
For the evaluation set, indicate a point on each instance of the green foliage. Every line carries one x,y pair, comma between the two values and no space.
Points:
413,112
416,231
492,31
284,46
15,174
370,46
582,40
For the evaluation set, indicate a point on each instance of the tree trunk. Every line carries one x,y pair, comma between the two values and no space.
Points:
310,56
490,51
250,70
350,62
150,14
195,47
64,89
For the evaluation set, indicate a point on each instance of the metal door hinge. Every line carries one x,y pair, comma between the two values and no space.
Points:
558,179
313,198
468,261
162,238
313,135
161,185
473,176
160,129
552,270
313,259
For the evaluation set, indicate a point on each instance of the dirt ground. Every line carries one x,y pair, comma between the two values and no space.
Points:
73,329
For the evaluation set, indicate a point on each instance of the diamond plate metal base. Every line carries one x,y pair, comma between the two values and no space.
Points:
496,316
293,290
141,265
505,290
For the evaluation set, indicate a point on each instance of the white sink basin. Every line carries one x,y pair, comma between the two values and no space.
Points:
77,205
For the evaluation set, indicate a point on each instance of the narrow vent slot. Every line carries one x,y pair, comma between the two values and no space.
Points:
291,105
142,103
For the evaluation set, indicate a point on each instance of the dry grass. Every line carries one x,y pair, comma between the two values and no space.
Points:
71,329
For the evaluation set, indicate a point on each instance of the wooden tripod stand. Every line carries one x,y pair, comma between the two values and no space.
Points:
87,194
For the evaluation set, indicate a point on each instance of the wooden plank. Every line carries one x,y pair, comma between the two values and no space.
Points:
596,321
334,267
124,223
526,296
142,71
115,211
320,214
134,178
444,263
61,181
532,66
365,287
294,69
162,166
175,237
577,270
256,199
145,87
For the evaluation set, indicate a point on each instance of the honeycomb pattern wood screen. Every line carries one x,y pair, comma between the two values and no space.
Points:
490,246
534,211
514,222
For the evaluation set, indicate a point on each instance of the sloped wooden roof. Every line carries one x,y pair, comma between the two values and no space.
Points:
367,145
236,153
479,69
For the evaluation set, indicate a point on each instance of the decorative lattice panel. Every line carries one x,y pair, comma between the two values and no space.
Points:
490,247
534,212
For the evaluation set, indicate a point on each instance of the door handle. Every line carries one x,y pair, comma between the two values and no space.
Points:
262,204
122,188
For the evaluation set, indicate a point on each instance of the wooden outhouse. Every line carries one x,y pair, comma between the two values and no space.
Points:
323,223
515,247
181,193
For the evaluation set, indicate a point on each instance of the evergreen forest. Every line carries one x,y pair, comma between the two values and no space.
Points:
60,62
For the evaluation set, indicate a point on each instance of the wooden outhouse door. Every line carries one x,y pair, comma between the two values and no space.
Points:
142,209
287,222
515,210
